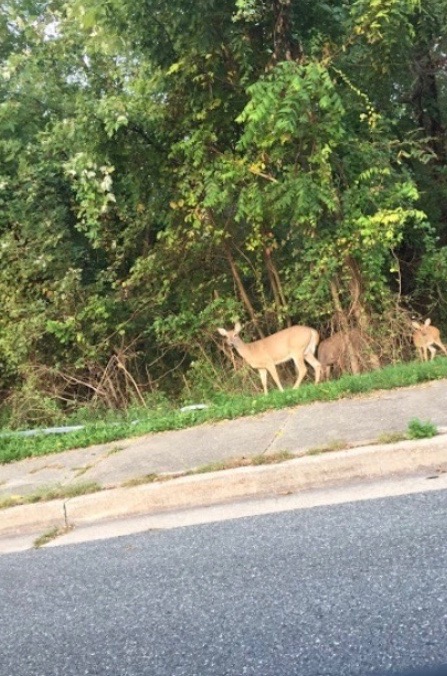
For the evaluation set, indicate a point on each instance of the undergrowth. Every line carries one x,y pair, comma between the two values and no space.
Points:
14,447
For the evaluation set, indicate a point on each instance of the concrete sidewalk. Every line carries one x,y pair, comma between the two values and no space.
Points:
348,422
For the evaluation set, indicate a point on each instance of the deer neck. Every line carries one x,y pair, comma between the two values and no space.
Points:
242,348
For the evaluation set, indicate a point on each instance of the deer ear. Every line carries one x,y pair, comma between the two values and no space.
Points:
427,322
222,332
237,327
415,325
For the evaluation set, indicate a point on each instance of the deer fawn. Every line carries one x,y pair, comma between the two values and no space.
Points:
297,342
425,337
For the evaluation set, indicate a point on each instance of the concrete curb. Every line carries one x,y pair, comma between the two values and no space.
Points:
301,474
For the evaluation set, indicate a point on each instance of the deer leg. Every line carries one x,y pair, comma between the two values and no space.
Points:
432,352
301,369
274,373
442,346
263,374
313,361
325,372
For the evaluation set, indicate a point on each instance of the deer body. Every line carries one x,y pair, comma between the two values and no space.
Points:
297,342
333,350
425,337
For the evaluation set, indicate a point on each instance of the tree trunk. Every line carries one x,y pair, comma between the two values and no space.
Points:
357,307
344,326
241,289
275,283
285,47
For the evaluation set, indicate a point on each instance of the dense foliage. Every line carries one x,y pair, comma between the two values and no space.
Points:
169,167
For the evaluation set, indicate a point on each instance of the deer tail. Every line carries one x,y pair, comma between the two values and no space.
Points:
313,342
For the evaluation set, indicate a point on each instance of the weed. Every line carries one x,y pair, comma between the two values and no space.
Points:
329,448
138,481
47,493
79,471
391,437
10,501
272,458
234,463
115,449
418,429
50,535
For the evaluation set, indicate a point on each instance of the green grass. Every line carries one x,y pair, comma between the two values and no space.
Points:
224,407
418,429
51,534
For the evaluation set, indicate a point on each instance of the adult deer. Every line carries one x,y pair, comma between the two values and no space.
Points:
425,337
297,342
334,351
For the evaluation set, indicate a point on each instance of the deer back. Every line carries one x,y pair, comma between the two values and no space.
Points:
287,344
333,349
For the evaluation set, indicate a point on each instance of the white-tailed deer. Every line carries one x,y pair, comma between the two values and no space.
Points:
297,342
333,351
425,338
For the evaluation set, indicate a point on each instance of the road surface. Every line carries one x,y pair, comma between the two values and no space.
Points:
340,590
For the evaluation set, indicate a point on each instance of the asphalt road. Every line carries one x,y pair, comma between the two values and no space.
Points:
351,589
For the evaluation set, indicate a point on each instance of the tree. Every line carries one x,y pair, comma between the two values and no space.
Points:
166,168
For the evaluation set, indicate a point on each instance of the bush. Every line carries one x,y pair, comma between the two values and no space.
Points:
29,405
417,429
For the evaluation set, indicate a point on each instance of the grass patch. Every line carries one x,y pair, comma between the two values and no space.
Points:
50,535
57,492
10,501
418,429
146,479
392,437
14,448
329,448
272,458
234,463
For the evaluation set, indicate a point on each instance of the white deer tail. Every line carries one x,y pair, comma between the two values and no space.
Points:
313,342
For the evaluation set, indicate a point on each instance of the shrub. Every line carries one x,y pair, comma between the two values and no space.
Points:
418,429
